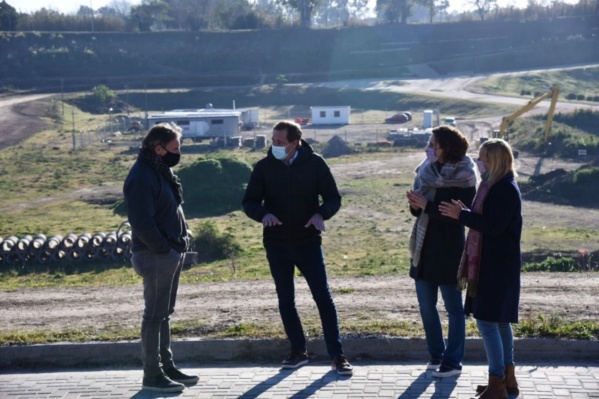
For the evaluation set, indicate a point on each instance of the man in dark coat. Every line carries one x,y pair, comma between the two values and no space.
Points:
284,194
153,197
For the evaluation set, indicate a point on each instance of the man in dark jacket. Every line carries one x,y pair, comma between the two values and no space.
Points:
153,197
284,195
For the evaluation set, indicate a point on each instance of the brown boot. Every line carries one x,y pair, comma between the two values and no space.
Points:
495,389
511,385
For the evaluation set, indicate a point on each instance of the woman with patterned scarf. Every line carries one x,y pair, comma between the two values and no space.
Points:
491,262
437,242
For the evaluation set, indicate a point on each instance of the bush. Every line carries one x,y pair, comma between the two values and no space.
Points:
213,186
211,245
587,176
552,264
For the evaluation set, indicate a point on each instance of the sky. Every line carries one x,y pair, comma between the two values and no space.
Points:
71,6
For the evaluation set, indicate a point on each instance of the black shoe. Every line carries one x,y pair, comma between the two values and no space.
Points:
295,359
177,375
161,383
445,371
342,366
433,364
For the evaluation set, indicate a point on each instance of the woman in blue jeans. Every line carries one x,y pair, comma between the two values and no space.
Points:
437,243
490,267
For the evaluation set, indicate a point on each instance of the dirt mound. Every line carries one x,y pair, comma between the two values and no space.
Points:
336,147
574,188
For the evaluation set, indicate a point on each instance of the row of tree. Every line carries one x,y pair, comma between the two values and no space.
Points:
194,15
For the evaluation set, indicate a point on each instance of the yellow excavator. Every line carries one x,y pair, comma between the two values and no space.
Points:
553,93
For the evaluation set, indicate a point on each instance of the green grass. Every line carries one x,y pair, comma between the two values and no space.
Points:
578,81
531,327
535,238
70,275
367,237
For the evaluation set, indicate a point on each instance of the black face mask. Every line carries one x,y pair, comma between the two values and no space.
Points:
171,158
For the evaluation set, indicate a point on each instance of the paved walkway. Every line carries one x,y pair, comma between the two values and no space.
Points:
233,380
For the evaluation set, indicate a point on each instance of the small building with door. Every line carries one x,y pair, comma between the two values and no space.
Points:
201,124
331,115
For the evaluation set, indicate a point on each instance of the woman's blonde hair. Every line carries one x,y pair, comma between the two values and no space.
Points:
500,159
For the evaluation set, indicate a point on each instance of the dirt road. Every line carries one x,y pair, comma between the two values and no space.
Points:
224,304
21,117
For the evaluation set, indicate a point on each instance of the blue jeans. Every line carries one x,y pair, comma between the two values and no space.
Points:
310,262
451,355
499,345
160,275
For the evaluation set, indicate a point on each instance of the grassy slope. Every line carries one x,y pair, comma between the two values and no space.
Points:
368,237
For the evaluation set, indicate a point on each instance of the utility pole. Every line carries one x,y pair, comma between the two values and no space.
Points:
73,131
127,92
146,94
110,120
91,6
62,95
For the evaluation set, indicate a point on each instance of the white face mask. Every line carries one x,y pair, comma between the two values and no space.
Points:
279,152
481,166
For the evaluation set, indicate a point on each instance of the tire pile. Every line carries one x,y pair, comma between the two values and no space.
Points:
39,249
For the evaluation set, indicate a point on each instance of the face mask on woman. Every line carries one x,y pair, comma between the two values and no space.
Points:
481,166
430,154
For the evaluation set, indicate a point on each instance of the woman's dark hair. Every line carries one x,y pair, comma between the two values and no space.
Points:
160,135
453,143
294,131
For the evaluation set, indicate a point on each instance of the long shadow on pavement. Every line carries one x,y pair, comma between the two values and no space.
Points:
311,389
443,387
267,384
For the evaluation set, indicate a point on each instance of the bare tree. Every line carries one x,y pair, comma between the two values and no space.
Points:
122,8
394,10
305,8
359,8
483,7
332,12
149,13
192,14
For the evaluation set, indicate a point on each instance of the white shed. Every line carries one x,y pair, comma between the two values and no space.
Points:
332,115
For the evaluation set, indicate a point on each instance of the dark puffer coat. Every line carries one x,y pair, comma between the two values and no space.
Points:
292,193
444,240
498,293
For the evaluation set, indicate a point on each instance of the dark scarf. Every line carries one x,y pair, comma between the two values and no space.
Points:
158,164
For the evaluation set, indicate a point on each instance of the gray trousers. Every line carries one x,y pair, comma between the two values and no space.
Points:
160,275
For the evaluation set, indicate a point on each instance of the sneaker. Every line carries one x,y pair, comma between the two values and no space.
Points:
177,375
433,364
342,366
445,371
161,383
295,359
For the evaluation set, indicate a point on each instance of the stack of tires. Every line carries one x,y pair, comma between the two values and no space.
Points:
113,246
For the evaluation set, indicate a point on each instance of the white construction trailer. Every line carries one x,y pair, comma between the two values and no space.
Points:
201,124
331,115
